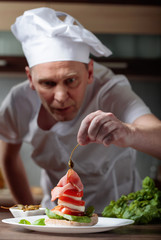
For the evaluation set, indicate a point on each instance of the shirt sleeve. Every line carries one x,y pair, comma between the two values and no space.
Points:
15,113
124,103
8,121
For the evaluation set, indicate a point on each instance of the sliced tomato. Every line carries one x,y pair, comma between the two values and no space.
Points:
70,211
67,210
57,208
74,193
72,201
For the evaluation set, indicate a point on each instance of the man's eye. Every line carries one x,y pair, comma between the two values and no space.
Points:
49,83
72,82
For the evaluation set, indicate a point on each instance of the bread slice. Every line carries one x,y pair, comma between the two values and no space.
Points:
51,222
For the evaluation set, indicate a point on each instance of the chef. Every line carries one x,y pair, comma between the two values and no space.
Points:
69,99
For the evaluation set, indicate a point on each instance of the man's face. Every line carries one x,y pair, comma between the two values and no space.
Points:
61,86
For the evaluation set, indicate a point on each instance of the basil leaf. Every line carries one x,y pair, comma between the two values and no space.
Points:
81,219
52,215
24,221
90,210
40,221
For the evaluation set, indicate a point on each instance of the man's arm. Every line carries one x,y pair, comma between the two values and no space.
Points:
144,134
14,173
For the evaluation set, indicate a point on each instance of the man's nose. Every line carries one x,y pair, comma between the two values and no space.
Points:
61,94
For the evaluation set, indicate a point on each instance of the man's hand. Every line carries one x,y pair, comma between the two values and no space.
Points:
144,134
105,128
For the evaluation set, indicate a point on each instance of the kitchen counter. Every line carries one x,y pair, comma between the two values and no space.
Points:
132,232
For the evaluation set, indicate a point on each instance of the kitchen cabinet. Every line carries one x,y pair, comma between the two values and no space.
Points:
97,16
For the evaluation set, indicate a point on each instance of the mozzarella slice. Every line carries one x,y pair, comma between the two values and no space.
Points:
72,206
75,198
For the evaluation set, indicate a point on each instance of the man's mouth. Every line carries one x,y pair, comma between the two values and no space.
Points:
61,110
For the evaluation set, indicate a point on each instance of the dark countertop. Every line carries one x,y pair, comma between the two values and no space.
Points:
132,232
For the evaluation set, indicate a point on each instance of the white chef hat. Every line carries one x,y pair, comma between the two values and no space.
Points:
47,38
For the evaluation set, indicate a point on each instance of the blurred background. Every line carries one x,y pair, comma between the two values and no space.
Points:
131,29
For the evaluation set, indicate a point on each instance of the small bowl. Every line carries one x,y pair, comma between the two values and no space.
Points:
20,213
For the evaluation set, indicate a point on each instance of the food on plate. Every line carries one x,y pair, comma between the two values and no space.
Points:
27,207
70,210
20,210
23,207
143,206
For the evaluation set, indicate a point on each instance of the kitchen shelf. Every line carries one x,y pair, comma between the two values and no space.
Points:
145,68
12,64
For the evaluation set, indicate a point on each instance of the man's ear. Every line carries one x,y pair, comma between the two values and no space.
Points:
90,72
28,73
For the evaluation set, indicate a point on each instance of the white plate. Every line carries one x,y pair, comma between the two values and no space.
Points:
104,224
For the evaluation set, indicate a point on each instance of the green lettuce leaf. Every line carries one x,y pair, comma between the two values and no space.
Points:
143,206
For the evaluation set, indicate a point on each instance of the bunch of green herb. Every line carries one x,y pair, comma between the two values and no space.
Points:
143,206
